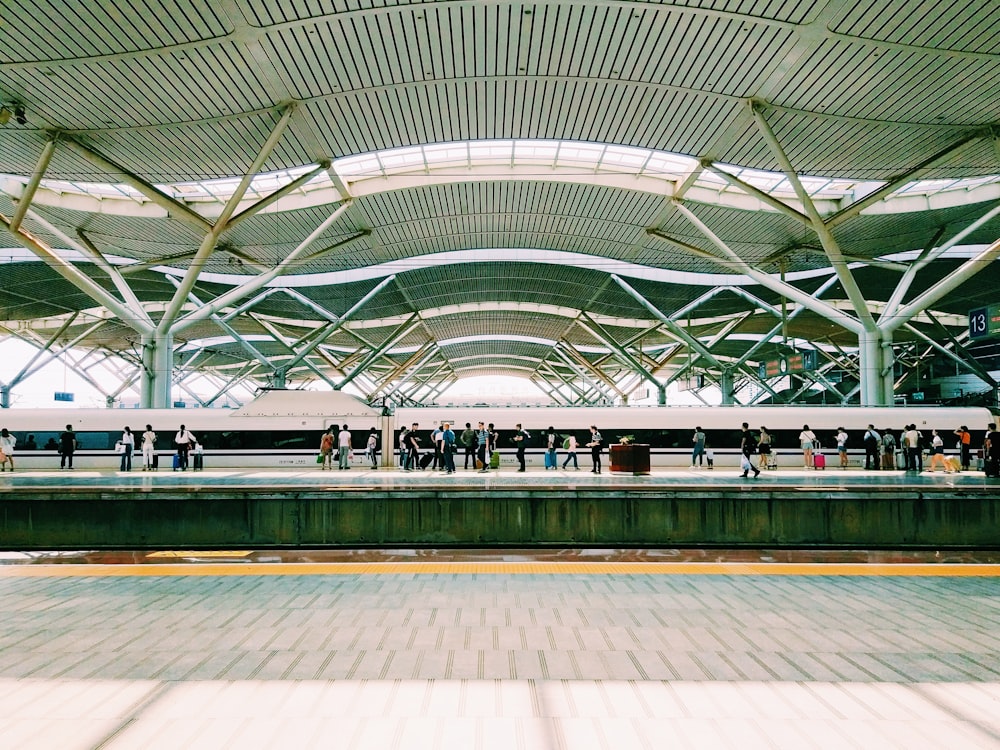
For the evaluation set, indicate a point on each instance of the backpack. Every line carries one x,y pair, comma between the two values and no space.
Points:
566,444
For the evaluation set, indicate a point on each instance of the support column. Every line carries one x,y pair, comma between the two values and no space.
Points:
874,364
4,396
163,370
727,386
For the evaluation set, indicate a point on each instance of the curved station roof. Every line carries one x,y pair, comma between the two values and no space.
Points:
600,196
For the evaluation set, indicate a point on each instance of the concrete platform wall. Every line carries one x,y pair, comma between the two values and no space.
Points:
170,518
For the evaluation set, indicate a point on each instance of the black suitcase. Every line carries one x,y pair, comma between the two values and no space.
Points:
991,467
199,462
425,460
156,462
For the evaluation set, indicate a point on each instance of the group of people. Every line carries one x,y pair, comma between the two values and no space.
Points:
480,446
67,445
337,441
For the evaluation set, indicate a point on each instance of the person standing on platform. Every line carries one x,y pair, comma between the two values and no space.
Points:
326,444
914,449
184,440
402,448
965,446
344,448
7,443
551,457
437,462
494,446
412,449
482,448
521,438
448,448
67,447
371,449
842,446
991,452
127,443
764,449
148,448
698,449
888,450
571,446
596,440
469,444
873,442
807,441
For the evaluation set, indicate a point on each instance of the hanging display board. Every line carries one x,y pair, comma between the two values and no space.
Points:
793,363
984,322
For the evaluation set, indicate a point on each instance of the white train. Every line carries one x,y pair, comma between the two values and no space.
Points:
283,428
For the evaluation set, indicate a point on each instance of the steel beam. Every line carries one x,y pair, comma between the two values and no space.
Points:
77,278
943,287
24,201
401,332
594,329
833,252
246,288
757,193
783,288
174,208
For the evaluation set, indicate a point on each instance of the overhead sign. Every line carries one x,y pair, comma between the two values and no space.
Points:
793,363
984,322
61,396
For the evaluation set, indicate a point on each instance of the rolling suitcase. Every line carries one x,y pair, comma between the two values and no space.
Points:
425,460
550,460
495,460
819,461
177,461
198,463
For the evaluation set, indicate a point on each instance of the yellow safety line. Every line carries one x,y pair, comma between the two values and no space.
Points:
501,568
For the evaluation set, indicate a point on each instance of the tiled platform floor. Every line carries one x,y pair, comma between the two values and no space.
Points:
442,660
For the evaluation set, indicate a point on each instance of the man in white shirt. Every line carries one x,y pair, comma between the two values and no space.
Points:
344,446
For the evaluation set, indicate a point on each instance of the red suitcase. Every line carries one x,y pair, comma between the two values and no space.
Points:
819,461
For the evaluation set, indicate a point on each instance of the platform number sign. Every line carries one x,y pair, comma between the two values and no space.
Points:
984,322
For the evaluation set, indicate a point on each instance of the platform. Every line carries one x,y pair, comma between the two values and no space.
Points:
286,507
526,655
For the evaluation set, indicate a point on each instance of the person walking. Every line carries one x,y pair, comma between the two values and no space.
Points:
965,446
7,443
468,439
937,452
807,441
127,443
596,440
571,445
748,447
872,441
148,448
67,447
521,437
448,448
698,448
184,441
344,448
